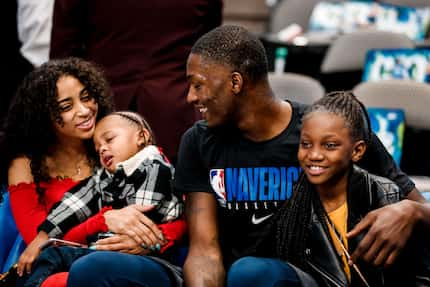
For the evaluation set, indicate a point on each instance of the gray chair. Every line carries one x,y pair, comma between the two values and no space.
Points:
348,52
287,12
296,87
411,96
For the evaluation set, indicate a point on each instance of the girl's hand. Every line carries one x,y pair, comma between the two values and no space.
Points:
131,221
124,243
30,254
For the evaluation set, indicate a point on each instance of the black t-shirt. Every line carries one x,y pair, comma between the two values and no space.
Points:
251,180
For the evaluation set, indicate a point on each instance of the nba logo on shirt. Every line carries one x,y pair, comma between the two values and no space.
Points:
217,183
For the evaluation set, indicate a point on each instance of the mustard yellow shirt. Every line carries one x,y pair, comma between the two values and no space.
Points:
339,218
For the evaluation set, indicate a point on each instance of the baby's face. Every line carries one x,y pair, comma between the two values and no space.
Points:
116,140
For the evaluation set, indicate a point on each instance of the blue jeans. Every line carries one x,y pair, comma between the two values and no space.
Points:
53,260
107,268
261,272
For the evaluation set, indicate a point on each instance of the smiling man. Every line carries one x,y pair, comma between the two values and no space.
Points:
239,165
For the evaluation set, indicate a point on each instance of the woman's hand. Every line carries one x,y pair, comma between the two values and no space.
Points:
131,221
31,253
124,243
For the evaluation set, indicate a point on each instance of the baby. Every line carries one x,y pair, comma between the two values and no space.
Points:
133,171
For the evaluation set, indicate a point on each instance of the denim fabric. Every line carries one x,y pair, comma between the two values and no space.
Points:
261,272
53,260
107,268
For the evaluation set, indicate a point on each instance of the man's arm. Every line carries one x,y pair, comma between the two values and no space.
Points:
203,266
389,228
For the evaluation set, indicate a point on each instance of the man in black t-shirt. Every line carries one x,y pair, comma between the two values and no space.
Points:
240,164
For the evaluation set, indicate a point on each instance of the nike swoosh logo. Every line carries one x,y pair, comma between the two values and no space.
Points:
261,219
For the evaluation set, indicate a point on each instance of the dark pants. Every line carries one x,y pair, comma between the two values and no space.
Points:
107,268
53,260
261,272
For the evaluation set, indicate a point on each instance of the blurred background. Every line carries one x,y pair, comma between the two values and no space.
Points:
379,49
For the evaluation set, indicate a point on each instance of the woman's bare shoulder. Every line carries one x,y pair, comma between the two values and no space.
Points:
20,171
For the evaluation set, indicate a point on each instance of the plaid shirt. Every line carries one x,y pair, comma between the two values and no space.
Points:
143,179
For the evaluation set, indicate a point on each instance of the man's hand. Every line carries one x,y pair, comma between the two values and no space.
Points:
31,253
387,231
131,221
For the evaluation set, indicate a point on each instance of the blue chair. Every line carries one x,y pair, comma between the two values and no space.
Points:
11,242
426,196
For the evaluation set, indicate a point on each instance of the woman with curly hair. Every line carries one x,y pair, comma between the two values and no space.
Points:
48,147
48,136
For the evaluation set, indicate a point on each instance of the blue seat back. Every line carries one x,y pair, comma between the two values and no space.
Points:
11,242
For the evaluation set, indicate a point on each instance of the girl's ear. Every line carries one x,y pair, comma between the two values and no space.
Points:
237,82
143,138
358,150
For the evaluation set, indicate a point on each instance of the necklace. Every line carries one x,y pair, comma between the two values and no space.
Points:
65,176
61,171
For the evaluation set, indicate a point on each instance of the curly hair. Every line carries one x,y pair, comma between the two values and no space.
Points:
29,129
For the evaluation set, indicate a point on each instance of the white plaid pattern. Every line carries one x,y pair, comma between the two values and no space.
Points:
147,182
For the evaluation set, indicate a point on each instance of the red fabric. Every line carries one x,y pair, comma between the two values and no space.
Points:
29,212
56,280
173,232
92,225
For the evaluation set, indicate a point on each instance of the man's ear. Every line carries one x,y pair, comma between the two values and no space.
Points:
358,150
237,82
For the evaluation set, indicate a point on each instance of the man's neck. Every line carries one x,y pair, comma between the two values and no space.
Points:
264,119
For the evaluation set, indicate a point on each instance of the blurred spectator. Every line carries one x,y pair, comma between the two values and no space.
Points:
143,47
34,19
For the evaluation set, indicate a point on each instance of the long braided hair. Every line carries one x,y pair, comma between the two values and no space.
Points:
294,217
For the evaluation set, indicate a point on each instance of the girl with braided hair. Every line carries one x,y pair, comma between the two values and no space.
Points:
331,197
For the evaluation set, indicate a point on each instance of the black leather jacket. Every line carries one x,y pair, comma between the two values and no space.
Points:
366,192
